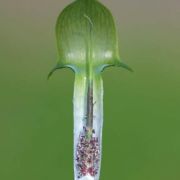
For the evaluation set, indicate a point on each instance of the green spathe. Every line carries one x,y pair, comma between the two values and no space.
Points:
87,43
86,38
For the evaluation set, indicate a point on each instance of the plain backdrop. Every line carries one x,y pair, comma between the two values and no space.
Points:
141,136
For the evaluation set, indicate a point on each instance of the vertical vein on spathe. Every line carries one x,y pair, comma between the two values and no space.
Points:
89,102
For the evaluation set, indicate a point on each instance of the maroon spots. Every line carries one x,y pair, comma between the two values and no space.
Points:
87,153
